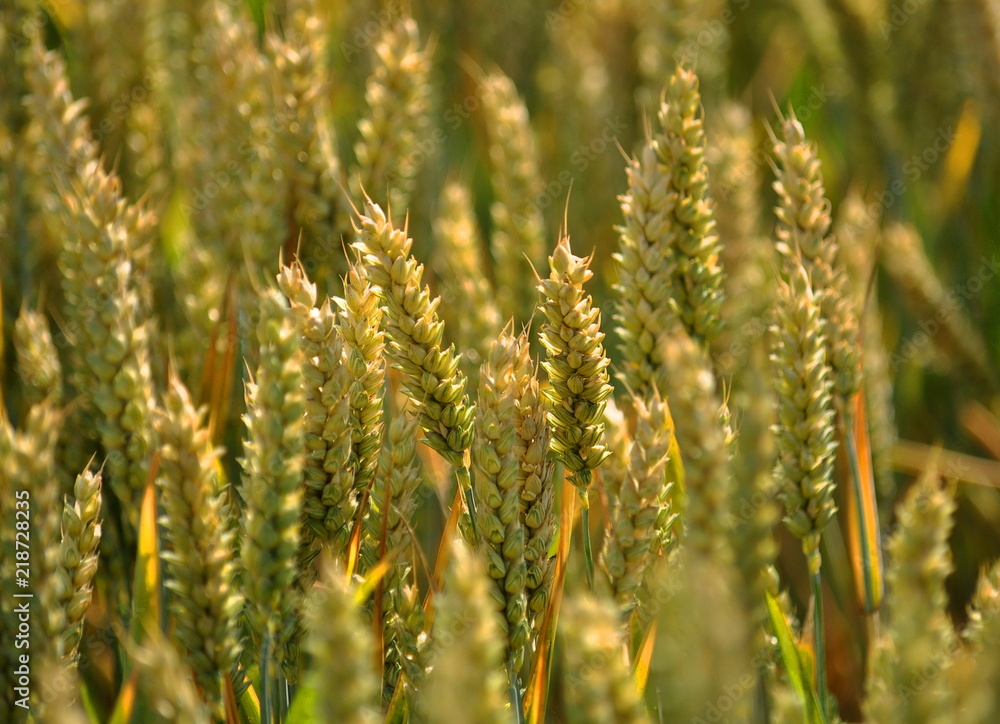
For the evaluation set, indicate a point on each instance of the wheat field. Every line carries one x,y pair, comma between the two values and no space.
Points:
583,361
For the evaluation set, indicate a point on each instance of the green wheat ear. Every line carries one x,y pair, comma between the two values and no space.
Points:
642,500
346,685
198,542
272,464
600,687
430,373
804,431
576,364
919,629
498,492
466,683
81,538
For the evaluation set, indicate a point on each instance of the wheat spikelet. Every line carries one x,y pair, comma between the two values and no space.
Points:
166,683
341,649
200,570
599,687
328,505
641,499
465,685
644,269
804,429
531,448
919,629
518,240
470,311
385,532
430,373
694,244
359,325
576,365
65,154
272,464
398,98
80,538
497,483
29,465
701,436
308,143
109,327
37,358
668,249
803,213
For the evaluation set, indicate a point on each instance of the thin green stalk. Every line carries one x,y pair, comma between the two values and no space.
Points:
819,642
515,694
265,689
465,481
588,551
